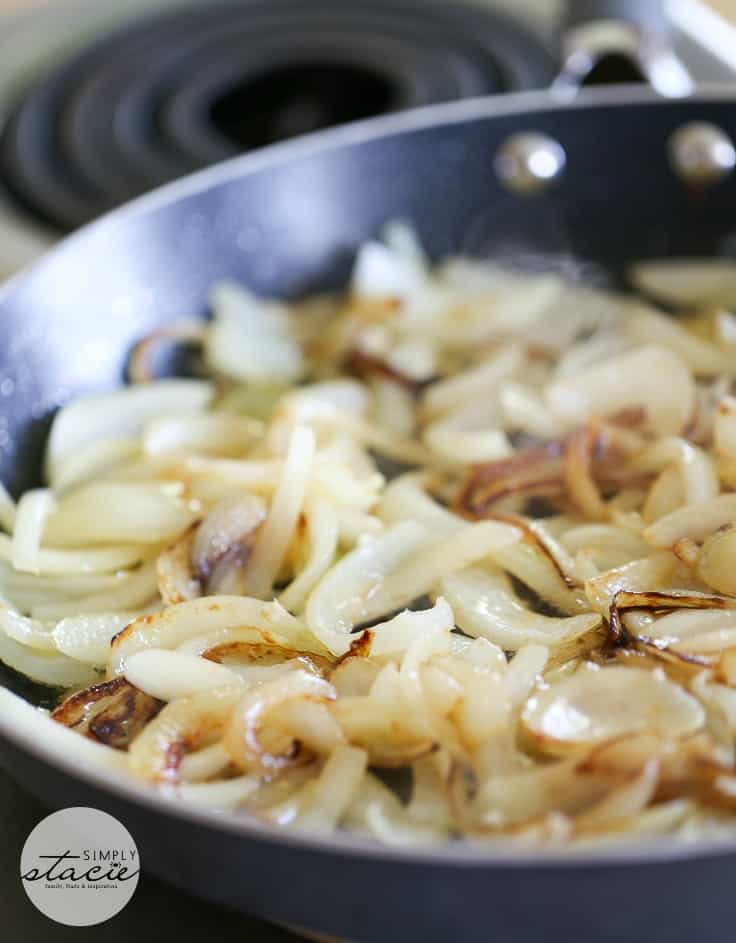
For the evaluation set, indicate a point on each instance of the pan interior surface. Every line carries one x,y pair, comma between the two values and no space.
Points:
286,222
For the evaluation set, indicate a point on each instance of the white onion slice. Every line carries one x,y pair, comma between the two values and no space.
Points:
724,429
251,339
133,590
716,564
167,675
117,415
694,465
485,606
32,514
334,789
8,510
185,724
223,796
687,282
206,433
482,380
323,535
341,598
702,356
273,538
630,379
398,634
46,667
118,513
595,705
695,521
415,577
215,615
87,638
98,560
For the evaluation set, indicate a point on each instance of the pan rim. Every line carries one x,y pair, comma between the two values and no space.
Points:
452,855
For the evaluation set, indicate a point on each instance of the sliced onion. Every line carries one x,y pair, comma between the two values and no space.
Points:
398,634
334,789
724,430
727,666
373,726
597,705
134,590
702,356
485,606
665,496
185,725
243,735
204,764
659,569
46,667
32,514
210,615
686,629
35,726
7,510
273,539
716,563
121,414
622,803
417,576
630,379
508,801
466,437
99,560
30,632
99,458
223,796
224,541
406,497
354,675
604,537
340,600
87,638
206,433
113,712
323,533
380,272
167,675
695,521
394,407
113,513
479,381
687,282
251,339
699,482
525,411
177,581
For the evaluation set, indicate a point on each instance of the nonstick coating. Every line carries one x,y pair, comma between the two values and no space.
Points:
287,221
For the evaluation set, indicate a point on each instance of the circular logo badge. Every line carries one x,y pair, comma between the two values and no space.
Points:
79,867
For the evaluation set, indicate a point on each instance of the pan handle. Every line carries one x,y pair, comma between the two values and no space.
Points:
610,41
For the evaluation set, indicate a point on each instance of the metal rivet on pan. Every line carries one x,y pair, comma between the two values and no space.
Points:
701,153
529,162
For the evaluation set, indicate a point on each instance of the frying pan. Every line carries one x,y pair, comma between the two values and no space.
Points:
286,221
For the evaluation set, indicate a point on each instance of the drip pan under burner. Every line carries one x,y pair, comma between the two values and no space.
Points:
199,84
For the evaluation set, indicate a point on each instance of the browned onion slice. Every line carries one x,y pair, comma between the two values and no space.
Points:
113,712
